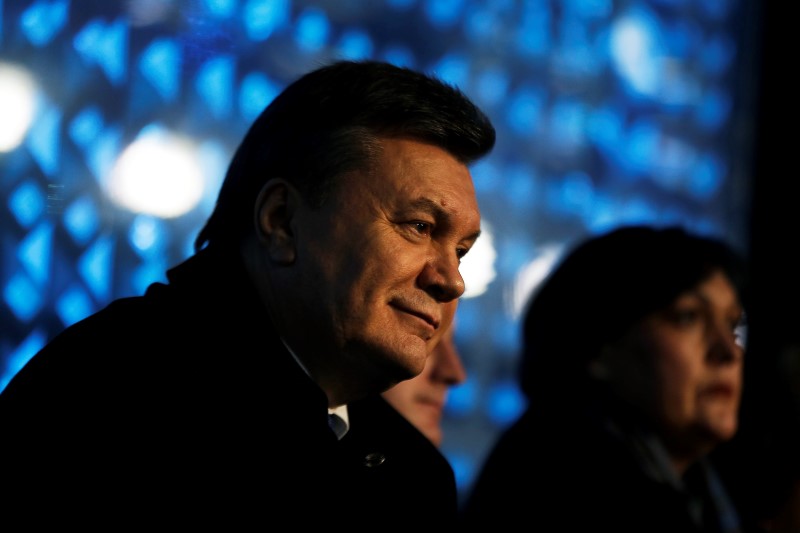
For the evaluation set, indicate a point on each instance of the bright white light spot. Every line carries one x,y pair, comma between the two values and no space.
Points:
636,52
531,276
158,174
17,105
477,267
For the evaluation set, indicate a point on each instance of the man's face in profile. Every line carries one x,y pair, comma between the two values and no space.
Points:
384,253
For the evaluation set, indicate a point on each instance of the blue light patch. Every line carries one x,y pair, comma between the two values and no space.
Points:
220,8
443,13
707,177
262,17
95,267
34,252
106,46
214,83
147,273
81,219
505,403
453,68
461,399
463,466
256,93
312,30
102,154
400,55
43,20
355,45
146,236
86,126
23,297
73,305
26,203
44,139
525,110
160,64
17,358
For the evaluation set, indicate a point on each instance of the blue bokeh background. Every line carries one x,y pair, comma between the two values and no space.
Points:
607,112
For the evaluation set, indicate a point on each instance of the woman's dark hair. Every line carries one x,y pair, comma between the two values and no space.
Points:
327,122
602,287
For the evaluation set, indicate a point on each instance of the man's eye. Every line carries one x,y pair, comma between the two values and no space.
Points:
421,227
461,252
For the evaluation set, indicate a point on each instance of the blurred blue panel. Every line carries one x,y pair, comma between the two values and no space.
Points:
400,55
262,17
214,84
533,36
74,305
147,236
443,13
400,4
463,465
95,266
605,127
103,152
707,176
640,147
17,358
520,188
481,23
23,297
462,399
505,403
220,8
486,177
85,126
44,138
81,219
589,9
682,40
567,124
572,193
147,273
105,45
312,29
454,68
256,92
469,320
718,54
717,9
355,44
43,20
26,203
35,250
525,110
637,49
514,251
505,334
491,86
160,64
714,110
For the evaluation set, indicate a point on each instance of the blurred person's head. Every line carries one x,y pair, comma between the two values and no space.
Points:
653,315
421,399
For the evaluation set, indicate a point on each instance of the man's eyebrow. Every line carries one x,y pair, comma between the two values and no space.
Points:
426,204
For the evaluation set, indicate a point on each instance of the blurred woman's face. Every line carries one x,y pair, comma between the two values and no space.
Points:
683,366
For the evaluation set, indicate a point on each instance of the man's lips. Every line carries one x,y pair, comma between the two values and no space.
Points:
430,318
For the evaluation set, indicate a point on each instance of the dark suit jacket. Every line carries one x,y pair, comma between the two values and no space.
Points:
573,466
183,407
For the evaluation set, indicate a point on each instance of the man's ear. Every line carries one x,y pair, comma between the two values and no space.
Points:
275,207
